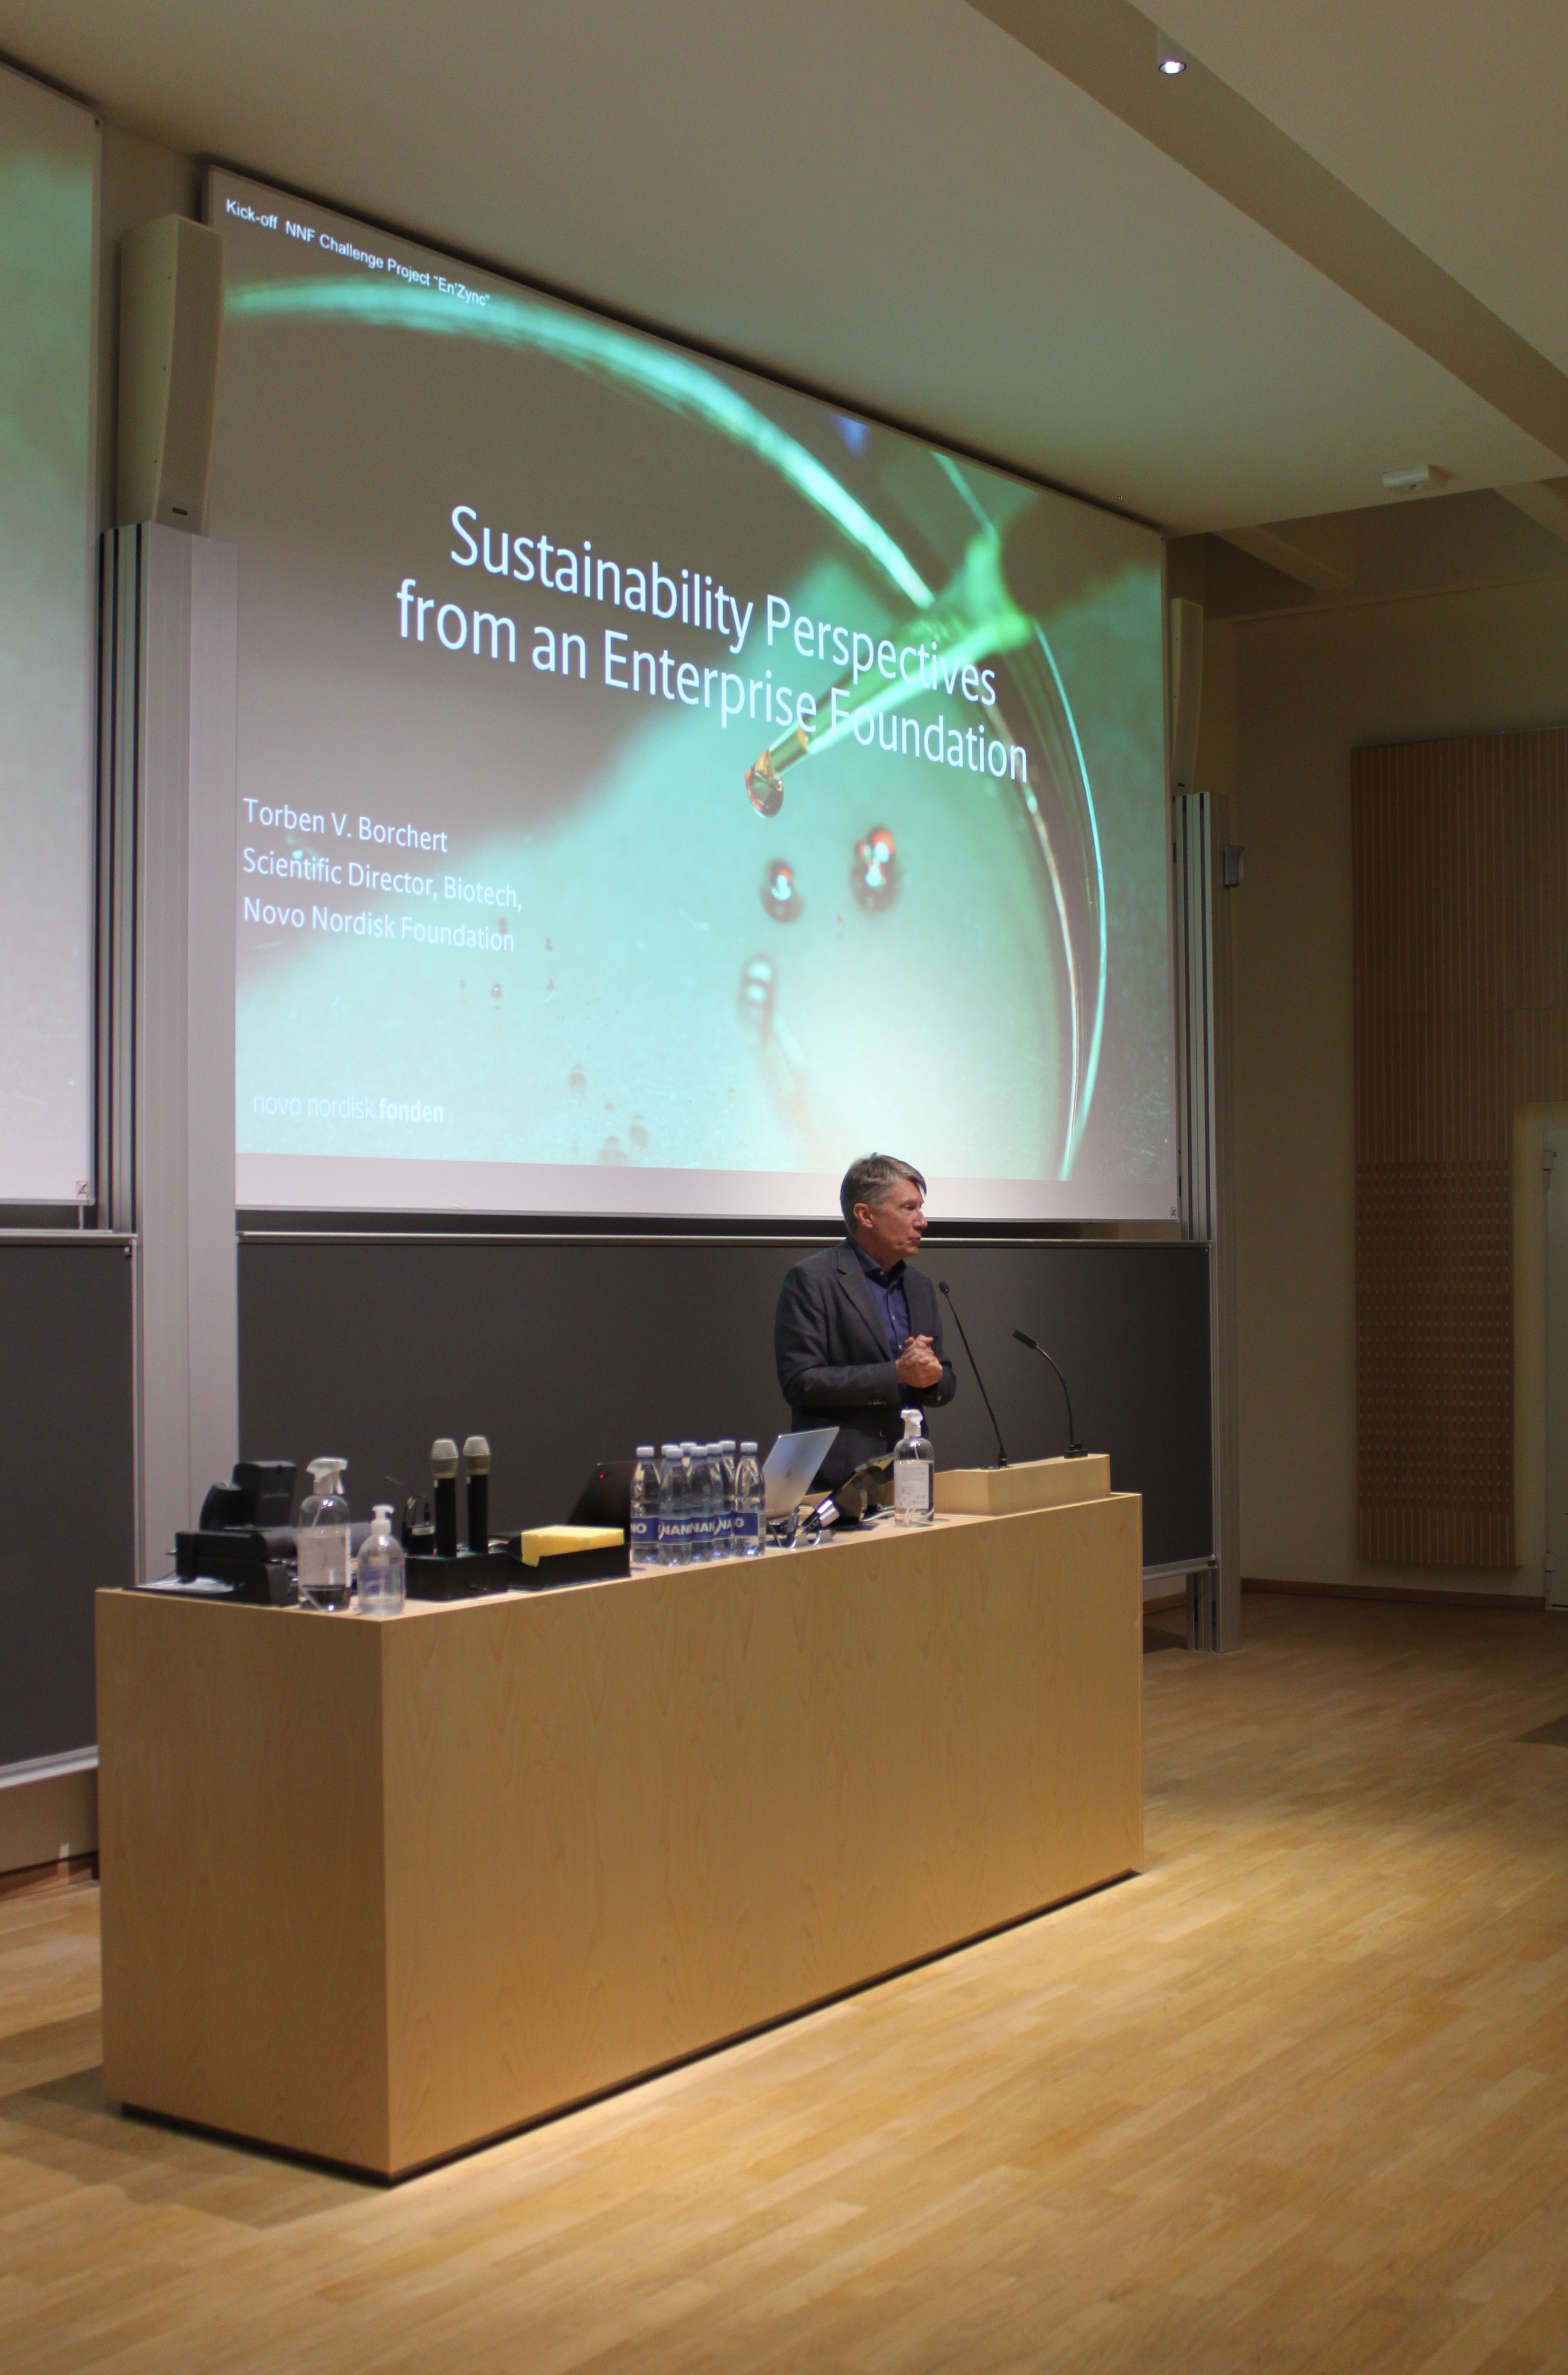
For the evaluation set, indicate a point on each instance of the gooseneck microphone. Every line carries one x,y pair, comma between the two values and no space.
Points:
952,1307
1075,1449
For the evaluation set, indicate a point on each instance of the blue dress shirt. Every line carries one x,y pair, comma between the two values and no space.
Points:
887,1292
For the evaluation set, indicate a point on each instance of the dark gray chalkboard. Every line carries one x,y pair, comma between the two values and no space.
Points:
567,1351
68,1425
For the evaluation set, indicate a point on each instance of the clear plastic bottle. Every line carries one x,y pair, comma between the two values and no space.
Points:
915,1474
647,1510
671,1505
745,1524
687,1506
725,1544
704,1499
382,1567
322,1543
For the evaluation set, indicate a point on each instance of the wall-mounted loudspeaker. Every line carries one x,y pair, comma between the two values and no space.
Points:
171,307
1186,690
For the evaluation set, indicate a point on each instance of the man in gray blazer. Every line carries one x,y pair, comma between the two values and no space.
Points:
858,1337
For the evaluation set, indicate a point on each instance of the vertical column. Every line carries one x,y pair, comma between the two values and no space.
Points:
166,962
1214,1596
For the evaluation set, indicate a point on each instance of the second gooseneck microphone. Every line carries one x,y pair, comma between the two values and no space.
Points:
1075,1449
952,1307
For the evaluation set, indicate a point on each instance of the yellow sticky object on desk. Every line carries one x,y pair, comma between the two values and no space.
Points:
550,1541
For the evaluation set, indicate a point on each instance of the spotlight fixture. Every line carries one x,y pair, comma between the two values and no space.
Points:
1168,58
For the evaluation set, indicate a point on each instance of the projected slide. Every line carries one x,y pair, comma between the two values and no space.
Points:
48,242
658,788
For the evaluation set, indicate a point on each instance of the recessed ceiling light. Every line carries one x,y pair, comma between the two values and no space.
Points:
1169,59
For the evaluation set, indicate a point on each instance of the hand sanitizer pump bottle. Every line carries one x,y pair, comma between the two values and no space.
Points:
325,1563
915,1474
382,1567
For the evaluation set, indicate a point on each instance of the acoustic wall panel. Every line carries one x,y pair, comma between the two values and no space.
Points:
1461,993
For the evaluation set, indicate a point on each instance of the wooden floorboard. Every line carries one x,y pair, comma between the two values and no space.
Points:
1294,2100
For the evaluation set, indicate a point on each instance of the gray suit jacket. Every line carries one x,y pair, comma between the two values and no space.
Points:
835,1366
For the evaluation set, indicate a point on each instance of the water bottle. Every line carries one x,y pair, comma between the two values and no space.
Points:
323,1558
915,1474
704,1498
746,1522
672,1505
725,1544
647,1510
382,1567
683,1455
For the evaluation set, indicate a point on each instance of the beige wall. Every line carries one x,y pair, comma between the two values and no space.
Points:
1286,698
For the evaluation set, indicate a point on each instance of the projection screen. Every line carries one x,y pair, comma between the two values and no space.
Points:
49,163
659,786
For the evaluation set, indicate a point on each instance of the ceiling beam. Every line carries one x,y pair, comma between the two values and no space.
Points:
1545,502
1316,552
1109,49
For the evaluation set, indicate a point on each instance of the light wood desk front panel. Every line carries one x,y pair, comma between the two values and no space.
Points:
620,1824
241,1847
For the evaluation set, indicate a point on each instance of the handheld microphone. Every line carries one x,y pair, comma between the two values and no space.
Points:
1075,1449
952,1307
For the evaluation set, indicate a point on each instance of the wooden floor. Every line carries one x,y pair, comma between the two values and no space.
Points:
1297,2098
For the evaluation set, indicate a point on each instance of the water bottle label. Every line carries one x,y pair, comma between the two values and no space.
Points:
746,1526
912,1485
323,1561
646,1530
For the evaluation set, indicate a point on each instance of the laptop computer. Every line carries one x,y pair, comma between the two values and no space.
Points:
790,1466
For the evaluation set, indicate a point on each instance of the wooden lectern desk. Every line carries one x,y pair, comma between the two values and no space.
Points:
379,1891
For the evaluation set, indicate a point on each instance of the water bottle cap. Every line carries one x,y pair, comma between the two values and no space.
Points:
747,1450
670,1450
728,1444
644,1451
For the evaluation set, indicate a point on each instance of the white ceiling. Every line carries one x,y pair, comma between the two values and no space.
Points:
1447,115
896,202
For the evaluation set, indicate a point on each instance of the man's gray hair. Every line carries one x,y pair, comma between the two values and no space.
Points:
871,1180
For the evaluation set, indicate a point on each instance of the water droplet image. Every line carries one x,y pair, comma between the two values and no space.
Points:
495,989
612,1150
873,874
764,787
578,1079
637,1132
780,896
757,986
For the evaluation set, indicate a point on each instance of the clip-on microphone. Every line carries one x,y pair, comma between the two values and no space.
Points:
1075,1449
952,1307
